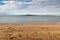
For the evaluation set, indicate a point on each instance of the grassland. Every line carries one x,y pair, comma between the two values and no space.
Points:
30,31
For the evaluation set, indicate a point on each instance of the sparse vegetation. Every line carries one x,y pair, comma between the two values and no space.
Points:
30,31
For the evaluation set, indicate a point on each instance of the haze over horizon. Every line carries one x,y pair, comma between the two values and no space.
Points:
36,7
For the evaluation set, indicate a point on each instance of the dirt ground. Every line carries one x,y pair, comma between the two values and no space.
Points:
30,31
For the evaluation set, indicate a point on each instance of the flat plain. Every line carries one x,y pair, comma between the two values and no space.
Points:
30,31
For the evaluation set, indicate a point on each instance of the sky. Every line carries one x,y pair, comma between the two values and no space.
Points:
36,7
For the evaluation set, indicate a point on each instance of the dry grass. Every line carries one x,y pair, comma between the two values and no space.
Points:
30,31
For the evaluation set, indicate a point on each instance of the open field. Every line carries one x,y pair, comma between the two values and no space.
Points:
30,31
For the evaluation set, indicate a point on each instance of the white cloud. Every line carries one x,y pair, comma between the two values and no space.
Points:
11,7
8,5
49,7
3,8
36,7
38,0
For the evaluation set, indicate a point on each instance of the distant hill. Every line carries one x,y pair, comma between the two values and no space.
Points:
29,15
6,14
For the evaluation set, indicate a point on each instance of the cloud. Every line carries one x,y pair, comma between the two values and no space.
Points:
40,7
45,7
8,8
13,7
39,0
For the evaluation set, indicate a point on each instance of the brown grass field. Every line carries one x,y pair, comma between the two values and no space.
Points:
30,31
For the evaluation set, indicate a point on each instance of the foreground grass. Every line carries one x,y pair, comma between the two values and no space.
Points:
47,31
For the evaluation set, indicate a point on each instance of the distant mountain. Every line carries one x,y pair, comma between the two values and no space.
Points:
36,15
29,15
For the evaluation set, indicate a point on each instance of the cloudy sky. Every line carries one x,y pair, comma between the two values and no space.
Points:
38,7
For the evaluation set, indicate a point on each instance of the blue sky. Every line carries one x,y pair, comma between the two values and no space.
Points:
38,7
